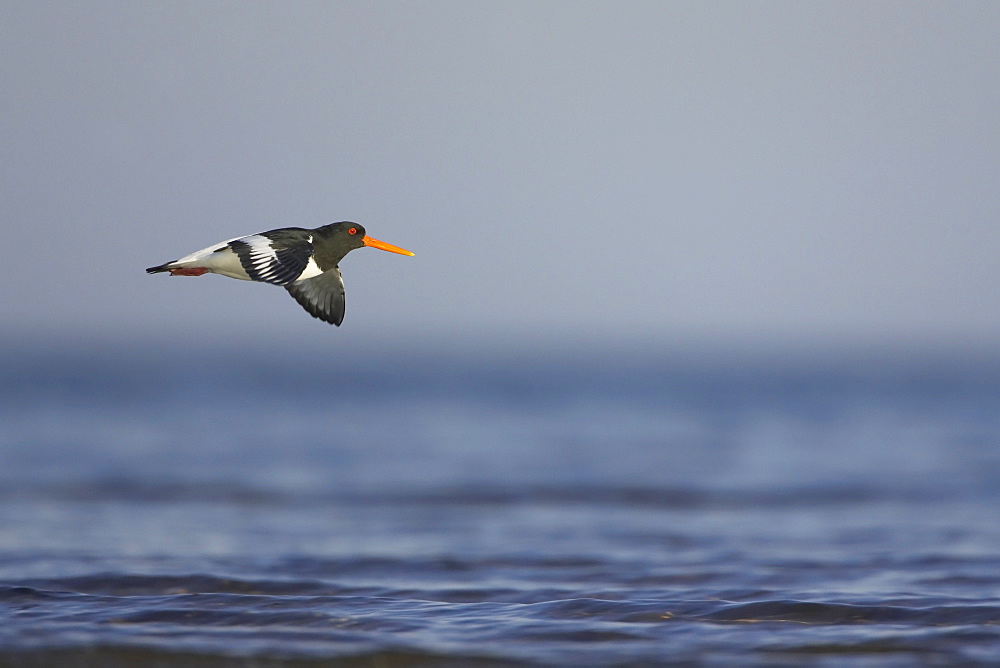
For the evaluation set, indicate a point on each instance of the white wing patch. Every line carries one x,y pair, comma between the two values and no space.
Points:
263,261
270,261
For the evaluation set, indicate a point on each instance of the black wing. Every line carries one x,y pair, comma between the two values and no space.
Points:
276,257
322,296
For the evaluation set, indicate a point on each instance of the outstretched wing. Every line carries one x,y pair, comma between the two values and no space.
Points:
322,296
277,257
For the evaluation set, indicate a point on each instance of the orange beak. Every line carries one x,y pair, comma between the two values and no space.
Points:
381,245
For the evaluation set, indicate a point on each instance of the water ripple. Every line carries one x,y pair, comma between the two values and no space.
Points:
178,619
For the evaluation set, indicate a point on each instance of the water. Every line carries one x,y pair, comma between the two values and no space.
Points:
171,507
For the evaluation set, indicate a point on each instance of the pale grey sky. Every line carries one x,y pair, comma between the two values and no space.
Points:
665,171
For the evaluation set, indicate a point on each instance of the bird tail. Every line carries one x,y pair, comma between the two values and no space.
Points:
160,268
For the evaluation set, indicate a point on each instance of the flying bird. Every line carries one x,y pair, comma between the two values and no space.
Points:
302,261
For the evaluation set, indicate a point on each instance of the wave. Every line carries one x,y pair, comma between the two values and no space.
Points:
193,620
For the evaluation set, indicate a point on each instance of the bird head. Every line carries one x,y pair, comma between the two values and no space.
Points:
351,235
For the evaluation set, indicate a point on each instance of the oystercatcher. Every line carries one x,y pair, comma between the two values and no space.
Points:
304,262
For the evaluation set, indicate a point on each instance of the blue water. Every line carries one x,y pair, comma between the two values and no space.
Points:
172,507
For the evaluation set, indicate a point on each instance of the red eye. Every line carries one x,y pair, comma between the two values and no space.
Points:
353,230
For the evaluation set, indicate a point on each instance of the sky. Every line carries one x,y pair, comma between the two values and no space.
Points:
658,172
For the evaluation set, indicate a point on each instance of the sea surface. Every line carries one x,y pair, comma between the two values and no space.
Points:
175,507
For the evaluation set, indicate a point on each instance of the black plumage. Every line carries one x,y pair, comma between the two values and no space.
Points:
305,262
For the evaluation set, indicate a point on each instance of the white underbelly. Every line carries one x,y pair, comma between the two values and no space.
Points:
218,259
312,270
